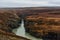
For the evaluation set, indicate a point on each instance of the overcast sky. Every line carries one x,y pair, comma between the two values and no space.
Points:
28,3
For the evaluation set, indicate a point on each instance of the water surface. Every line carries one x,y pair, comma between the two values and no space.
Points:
21,32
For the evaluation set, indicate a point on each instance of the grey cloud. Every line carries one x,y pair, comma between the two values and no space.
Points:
55,2
22,3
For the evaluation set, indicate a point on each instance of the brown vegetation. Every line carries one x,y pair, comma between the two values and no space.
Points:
39,22
8,22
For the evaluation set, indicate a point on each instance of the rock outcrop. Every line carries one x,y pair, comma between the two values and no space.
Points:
8,22
42,27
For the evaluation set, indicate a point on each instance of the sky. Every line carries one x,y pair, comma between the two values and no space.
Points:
29,3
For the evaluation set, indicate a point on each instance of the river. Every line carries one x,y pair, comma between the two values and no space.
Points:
21,32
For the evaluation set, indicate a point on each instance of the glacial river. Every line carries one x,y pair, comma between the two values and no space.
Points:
21,32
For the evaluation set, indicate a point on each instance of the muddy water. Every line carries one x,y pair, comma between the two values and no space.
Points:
21,32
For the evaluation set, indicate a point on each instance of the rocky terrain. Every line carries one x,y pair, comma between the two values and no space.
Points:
41,22
8,22
39,26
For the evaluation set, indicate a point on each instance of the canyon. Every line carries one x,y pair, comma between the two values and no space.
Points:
41,22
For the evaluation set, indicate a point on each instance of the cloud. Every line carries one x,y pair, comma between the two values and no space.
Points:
57,2
28,3
24,1
21,3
